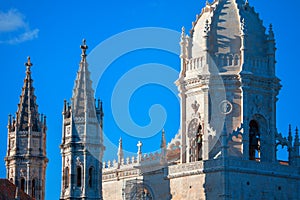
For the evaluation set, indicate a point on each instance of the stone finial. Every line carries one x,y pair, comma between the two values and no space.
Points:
139,145
83,47
290,138
297,136
28,65
271,33
163,143
139,156
9,120
207,3
246,2
120,152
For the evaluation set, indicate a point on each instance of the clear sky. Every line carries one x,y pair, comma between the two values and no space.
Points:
51,32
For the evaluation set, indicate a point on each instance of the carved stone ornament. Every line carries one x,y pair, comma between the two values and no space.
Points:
195,106
78,162
225,107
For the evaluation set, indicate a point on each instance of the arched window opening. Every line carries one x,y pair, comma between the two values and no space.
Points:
199,142
23,184
33,188
66,177
254,141
91,177
79,175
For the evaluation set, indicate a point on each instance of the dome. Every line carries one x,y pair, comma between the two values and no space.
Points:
233,35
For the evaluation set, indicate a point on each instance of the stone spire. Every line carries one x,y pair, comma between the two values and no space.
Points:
163,143
163,148
120,152
139,153
83,93
27,115
82,139
26,146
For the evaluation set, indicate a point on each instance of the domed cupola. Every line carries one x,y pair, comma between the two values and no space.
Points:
230,35
227,83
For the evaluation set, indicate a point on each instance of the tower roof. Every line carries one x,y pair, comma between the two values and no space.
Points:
27,113
228,20
83,93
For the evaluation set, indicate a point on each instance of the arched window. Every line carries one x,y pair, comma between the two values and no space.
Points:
79,175
199,142
23,184
91,177
254,140
33,188
66,177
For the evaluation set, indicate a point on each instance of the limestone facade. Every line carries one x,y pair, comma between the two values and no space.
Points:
227,142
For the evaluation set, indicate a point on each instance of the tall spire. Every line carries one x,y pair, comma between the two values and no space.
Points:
27,154
83,93
27,113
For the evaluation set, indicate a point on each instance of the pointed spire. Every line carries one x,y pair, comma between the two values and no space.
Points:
290,137
296,141
271,33
163,148
182,33
163,143
9,122
101,109
27,113
246,2
83,94
120,151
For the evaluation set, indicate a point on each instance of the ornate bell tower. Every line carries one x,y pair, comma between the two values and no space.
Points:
82,142
228,82
26,159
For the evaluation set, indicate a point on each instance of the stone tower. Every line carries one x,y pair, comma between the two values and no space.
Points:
82,143
26,159
227,83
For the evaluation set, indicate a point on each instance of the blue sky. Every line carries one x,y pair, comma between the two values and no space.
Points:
51,32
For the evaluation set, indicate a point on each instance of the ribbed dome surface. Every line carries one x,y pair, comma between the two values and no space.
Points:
228,21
